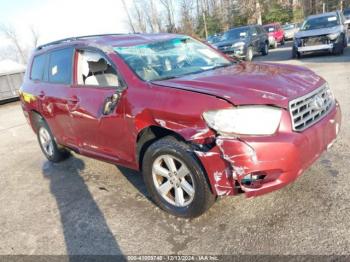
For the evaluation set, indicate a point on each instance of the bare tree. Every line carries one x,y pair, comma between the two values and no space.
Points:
140,18
35,35
169,8
154,18
10,33
187,24
129,17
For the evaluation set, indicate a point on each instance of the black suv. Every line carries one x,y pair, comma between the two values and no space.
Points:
244,42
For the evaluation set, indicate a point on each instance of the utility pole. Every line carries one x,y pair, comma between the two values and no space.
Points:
258,12
324,7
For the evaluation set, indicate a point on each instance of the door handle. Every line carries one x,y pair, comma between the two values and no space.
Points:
73,99
41,94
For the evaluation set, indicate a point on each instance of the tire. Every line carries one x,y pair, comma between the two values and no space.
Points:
265,50
158,176
249,54
295,54
48,145
275,45
283,41
338,49
345,42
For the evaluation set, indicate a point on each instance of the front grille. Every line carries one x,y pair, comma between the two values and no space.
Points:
311,108
315,40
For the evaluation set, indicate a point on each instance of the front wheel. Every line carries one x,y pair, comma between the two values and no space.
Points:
48,145
250,54
295,53
175,179
265,49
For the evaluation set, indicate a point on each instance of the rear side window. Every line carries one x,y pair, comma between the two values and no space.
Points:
60,66
37,72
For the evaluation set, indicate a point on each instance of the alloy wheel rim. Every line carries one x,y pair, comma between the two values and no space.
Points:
250,54
173,180
46,141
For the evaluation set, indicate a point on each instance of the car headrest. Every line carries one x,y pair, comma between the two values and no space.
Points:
99,66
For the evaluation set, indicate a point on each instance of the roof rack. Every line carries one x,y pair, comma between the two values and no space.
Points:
70,39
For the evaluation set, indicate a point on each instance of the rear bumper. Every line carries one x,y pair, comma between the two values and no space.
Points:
315,48
277,159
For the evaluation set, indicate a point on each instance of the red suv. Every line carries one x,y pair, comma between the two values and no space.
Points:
196,123
276,32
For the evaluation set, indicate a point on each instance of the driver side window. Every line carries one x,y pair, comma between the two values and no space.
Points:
93,69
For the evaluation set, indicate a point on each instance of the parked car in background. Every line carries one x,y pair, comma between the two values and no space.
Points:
347,14
276,31
196,123
322,32
244,42
213,39
290,30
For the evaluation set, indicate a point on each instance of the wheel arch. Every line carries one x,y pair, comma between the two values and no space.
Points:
35,117
148,136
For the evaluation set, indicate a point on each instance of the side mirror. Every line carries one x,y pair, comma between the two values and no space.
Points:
110,103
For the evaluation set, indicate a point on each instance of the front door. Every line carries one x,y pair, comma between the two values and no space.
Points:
99,133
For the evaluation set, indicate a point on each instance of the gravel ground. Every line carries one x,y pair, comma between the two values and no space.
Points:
83,206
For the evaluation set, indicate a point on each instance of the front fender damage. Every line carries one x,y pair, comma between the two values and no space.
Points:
227,163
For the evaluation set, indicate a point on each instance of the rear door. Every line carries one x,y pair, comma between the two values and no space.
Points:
98,133
53,92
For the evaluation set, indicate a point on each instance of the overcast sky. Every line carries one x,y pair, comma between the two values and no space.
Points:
56,19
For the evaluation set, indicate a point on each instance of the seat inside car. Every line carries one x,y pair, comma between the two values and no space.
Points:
94,70
98,74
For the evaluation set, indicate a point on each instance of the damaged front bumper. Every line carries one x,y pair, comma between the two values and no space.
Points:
313,48
259,165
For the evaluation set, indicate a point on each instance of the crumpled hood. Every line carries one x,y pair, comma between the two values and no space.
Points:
316,32
251,83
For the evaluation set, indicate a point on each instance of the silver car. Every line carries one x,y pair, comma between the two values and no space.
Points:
290,30
323,32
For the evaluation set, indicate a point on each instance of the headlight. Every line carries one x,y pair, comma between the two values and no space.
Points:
333,36
238,44
244,120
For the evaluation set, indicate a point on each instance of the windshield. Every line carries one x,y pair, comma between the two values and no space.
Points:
213,39
320,22
347,12
171,58
269,28
237,33
289,27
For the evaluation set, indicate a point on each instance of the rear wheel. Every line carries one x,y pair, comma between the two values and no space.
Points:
175,179
283,41
275,45
48,145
